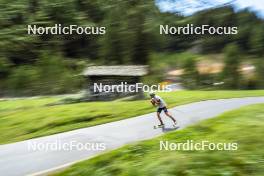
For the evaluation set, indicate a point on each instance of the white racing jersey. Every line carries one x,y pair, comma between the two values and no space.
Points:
162,103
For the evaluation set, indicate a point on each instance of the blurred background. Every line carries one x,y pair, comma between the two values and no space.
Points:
52,64
48,72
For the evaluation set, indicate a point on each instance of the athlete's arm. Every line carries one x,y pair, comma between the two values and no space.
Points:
157,101
152,101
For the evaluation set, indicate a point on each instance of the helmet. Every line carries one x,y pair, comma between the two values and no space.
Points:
151,93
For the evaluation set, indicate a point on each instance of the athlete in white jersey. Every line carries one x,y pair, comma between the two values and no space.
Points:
160,103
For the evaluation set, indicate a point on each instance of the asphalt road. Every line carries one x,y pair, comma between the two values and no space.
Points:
21,158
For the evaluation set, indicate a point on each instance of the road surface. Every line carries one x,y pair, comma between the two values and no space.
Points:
21,158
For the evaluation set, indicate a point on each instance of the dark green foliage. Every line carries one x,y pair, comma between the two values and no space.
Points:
191,75
260,72
257,40
23,81
132,35
50,75
126,41
231,73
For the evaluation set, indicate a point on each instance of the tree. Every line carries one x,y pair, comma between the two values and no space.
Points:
191,74
260,72
23,81
257,40
230,74
55,76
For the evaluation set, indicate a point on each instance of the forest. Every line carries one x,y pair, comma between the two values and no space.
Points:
51,64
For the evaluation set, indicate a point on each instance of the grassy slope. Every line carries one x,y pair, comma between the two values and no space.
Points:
244,126
24,119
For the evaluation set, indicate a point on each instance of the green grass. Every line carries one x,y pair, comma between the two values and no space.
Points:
30,118
244,126
27,103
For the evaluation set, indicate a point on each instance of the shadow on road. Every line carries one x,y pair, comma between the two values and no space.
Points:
165,130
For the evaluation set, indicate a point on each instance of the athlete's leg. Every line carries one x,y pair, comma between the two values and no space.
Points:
169,115
158,115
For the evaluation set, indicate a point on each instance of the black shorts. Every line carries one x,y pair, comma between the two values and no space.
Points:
164,109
